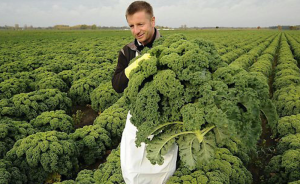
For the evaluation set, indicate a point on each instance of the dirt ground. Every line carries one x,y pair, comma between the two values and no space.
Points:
88,117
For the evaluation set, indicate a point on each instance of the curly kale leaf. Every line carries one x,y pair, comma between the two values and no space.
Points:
43,153
30,105
110,172
92,142
287,100
53,120
11,131
103,97
51,82
284,168
113,120
190,153
188,93
13,86
289,125
10,173
223,168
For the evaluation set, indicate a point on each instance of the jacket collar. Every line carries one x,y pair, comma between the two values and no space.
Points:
134,45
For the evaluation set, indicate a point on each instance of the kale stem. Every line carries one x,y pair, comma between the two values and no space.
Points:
201,133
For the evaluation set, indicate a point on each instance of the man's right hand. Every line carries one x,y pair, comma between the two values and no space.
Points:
136,64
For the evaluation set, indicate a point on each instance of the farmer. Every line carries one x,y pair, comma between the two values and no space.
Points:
139,16
136,168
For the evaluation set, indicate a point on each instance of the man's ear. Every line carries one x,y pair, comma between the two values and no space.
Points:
153,21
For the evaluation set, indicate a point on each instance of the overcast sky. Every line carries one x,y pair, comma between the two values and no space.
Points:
172,13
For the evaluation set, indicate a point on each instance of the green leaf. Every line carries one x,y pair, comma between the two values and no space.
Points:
160,127
250,105
221,134
157,146
207,149
269,110
188,145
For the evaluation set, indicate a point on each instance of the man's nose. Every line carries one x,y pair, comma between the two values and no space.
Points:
136,30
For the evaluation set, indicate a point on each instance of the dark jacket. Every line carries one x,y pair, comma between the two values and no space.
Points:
127,53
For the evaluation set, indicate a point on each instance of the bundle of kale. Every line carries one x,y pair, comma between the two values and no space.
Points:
185,94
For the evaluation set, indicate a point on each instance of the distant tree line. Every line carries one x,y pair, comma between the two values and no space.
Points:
95,27
62,27
287,27
84,26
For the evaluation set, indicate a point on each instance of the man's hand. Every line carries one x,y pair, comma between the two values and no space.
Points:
136,64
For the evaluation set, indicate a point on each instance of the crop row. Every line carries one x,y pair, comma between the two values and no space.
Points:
231,155
236,53
284,166
295,44
49,144
265,62
247,59
229,45
38,86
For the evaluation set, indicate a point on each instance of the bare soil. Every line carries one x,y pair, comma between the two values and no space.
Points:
89,115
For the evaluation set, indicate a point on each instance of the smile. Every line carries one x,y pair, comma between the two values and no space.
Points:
139,36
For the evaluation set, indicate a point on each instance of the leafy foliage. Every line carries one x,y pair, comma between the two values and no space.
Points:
53,120
67,77
284,168
30,105
87,78
289,142
183,93
43,153
12,86
289,125
110,172
52,83
113,120
81,89
31,60
104,96
11,131
11,174
107,173
92,142
224,168
287,100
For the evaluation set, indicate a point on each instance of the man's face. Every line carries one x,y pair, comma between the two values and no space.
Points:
141,26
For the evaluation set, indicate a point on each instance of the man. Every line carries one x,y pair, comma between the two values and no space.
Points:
136,168
141,21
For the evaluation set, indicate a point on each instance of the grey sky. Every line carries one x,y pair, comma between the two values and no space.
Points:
173,13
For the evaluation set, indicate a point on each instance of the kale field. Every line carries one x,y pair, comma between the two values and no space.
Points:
230,99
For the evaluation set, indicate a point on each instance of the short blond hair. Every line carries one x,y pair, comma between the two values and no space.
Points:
138,6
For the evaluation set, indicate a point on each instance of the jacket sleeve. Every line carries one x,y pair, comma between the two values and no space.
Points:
119,80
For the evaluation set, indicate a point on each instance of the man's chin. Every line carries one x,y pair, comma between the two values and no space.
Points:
140,40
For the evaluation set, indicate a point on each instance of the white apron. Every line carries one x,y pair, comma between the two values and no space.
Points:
136,168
